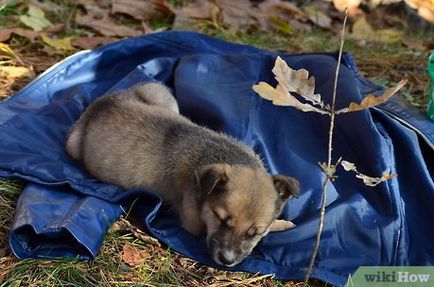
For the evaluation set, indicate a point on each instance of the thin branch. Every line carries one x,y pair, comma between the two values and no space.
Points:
320,228
335,87
329,177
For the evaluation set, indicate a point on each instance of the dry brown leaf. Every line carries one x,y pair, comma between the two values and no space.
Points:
91,42
318,17
352,6
35,18
281,97
56,28
236,14
5,34
425,8
296,81
290,80
278,7
197,10
286,12
6,50
106,26
16,72
371,101
143,10
133,256
367,180
58,44
95,8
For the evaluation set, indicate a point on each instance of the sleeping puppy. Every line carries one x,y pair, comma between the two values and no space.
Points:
217,186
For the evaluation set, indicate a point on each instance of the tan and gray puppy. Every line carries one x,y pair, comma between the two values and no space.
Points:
217,186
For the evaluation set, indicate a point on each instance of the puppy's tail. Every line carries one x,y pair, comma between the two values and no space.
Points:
74,141
155,94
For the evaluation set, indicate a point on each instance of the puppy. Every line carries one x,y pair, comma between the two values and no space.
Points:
217,186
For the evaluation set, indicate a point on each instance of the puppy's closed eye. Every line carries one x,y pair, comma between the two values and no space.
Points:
252,232
225,218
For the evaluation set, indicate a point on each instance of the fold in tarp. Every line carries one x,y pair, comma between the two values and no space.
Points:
65,212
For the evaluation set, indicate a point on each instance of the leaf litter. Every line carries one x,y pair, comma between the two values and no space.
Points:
35,19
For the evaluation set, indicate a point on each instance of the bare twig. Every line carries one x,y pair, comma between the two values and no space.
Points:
329,177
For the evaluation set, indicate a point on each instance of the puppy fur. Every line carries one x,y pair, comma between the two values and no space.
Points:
217,186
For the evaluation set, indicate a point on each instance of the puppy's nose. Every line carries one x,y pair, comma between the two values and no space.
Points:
227,257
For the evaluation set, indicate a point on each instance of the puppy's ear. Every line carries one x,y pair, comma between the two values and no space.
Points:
211,177
286,186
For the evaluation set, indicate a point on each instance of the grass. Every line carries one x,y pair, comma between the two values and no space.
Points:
385,63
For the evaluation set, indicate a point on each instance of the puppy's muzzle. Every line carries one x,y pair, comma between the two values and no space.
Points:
224,255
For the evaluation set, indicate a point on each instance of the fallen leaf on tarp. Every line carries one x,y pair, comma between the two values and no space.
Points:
362,30
58,44
318,17
367,180
91,42
371,101
35,19
14,72
143,10
133,256
6,34
106,26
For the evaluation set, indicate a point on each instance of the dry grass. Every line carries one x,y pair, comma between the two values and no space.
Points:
160,267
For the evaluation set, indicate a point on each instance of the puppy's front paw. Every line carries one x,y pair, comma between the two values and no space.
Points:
281,225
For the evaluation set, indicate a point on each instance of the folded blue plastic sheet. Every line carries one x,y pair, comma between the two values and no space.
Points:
63,211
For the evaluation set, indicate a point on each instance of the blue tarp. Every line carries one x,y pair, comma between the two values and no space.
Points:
63,211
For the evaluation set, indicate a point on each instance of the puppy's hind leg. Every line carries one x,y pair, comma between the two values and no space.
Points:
153,93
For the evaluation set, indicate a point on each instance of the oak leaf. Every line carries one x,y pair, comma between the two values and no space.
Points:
296,81
367,180
291,81
371,101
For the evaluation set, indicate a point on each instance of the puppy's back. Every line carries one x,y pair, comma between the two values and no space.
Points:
154,94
